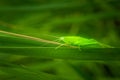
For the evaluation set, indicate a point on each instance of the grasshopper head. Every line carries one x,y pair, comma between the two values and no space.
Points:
62,38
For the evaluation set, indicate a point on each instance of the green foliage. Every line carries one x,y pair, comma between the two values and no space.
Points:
27,53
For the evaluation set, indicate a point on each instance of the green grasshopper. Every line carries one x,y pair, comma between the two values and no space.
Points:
81,42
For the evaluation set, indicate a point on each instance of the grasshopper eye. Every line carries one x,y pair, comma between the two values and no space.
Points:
62,38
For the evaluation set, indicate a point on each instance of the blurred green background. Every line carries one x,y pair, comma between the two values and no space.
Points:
97,19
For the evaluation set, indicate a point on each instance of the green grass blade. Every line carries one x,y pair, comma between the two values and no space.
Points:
104,54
